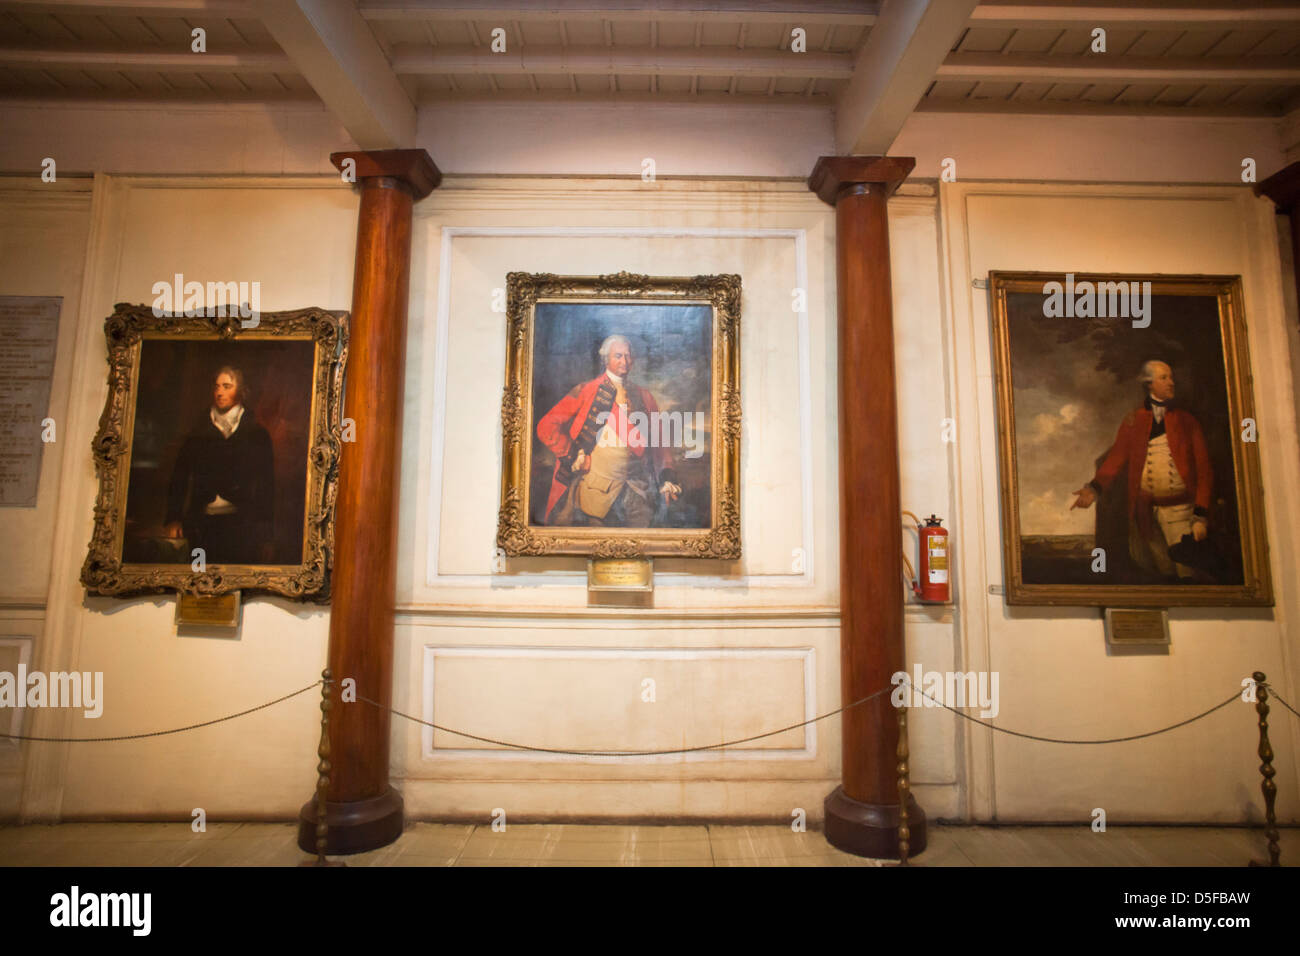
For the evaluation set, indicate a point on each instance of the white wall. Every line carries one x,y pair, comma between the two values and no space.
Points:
747,648
42,251
98,137
735,648
566,139
296,238
1115,149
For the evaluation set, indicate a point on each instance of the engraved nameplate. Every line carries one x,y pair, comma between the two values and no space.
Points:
1129,626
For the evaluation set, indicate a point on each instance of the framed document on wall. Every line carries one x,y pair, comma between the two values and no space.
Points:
1127,441
217,454
621,416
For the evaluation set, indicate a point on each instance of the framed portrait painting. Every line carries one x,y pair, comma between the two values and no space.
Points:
217,453
1127,441
621,416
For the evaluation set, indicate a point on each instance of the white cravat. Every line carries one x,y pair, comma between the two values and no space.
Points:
1157,411
608,434
226,422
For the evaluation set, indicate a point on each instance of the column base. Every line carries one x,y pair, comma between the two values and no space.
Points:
354,827
870,829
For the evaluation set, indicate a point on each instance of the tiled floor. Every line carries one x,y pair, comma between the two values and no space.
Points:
440,844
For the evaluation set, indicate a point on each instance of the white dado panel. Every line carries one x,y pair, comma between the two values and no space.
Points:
15,652
20,634
775,377
594,699
470,233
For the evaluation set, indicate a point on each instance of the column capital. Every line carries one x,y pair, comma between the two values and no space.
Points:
833,173
1283,187
413,167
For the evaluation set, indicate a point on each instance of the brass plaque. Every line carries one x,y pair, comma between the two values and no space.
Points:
620,574
219,611
1126,627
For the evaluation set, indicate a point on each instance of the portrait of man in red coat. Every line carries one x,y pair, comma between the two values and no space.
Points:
1159,458
612,452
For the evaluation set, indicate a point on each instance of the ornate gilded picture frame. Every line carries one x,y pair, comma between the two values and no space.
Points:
1127,441
217,454
620,419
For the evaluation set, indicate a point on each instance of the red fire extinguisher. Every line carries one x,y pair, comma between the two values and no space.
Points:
932,583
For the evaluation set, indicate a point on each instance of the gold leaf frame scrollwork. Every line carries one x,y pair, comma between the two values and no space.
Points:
515,535
104,571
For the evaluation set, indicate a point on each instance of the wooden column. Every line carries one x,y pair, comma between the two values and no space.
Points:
862,814
363,810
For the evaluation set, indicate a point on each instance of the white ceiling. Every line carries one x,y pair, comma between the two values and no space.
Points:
870,61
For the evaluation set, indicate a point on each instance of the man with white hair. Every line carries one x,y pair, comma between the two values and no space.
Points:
1161,452
608,470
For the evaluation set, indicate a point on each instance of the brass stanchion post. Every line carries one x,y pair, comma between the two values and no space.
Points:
323,773
1266,770
904,832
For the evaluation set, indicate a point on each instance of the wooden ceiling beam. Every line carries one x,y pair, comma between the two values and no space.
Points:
161,9
337,53
846,12
893,69
1089,108
1039,68
1133,16
180,61
418,59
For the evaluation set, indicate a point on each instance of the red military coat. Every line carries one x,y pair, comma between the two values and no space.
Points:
1186,447
560,427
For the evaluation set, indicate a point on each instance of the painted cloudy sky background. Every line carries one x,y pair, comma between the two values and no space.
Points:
1074,380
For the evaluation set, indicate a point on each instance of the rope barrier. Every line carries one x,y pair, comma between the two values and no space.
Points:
162,733
1236,694
660,753
628,753
1278,697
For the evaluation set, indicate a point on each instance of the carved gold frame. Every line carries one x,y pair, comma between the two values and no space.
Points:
1257,587
126,330
515,536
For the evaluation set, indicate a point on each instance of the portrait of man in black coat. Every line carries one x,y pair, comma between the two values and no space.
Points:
221,495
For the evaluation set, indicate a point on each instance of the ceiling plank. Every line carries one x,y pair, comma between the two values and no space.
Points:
848,12
784,101
146,58
335,50
1134,16
606,61
893,69
1038,68
1089,108
220,9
